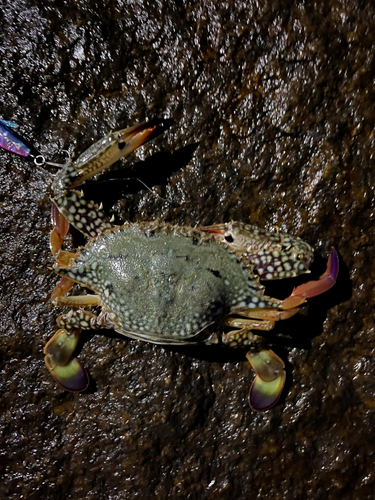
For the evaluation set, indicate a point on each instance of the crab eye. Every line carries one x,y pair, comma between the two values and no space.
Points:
229,238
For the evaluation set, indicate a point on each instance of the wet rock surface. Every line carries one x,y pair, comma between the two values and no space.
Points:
274,124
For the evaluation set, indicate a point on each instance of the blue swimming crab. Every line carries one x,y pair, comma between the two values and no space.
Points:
167,284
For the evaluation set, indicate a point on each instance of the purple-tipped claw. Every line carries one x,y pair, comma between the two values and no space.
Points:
263,395
332,270
325,282
72,377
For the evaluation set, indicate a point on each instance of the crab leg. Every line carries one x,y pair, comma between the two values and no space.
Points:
63,287
67,371
59,350
314,288
114,146
84,215
267,314
77,301
275,256
272,255
270,378
325,282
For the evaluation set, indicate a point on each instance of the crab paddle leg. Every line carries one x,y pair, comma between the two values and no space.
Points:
270,378
59,350
67,371
64,368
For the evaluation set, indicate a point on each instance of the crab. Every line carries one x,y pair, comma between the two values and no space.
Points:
169,284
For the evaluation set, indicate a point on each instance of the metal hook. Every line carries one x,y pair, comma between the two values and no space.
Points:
41,160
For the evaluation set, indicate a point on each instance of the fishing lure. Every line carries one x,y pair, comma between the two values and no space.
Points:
10,141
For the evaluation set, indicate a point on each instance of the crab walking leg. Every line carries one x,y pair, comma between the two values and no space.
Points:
65,369
59,231
63,287
243,336
268,314
77,301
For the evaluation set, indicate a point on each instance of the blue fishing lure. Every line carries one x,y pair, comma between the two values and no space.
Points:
10,141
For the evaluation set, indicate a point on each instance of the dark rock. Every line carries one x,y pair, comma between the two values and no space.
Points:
274,113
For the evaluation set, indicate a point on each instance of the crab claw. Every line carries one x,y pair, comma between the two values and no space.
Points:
325,282
114,146
269,382
68,372
314,288
132,137
135,136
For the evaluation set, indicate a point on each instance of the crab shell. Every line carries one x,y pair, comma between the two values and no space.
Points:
165,284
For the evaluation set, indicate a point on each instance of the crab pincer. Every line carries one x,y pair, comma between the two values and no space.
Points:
96,158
